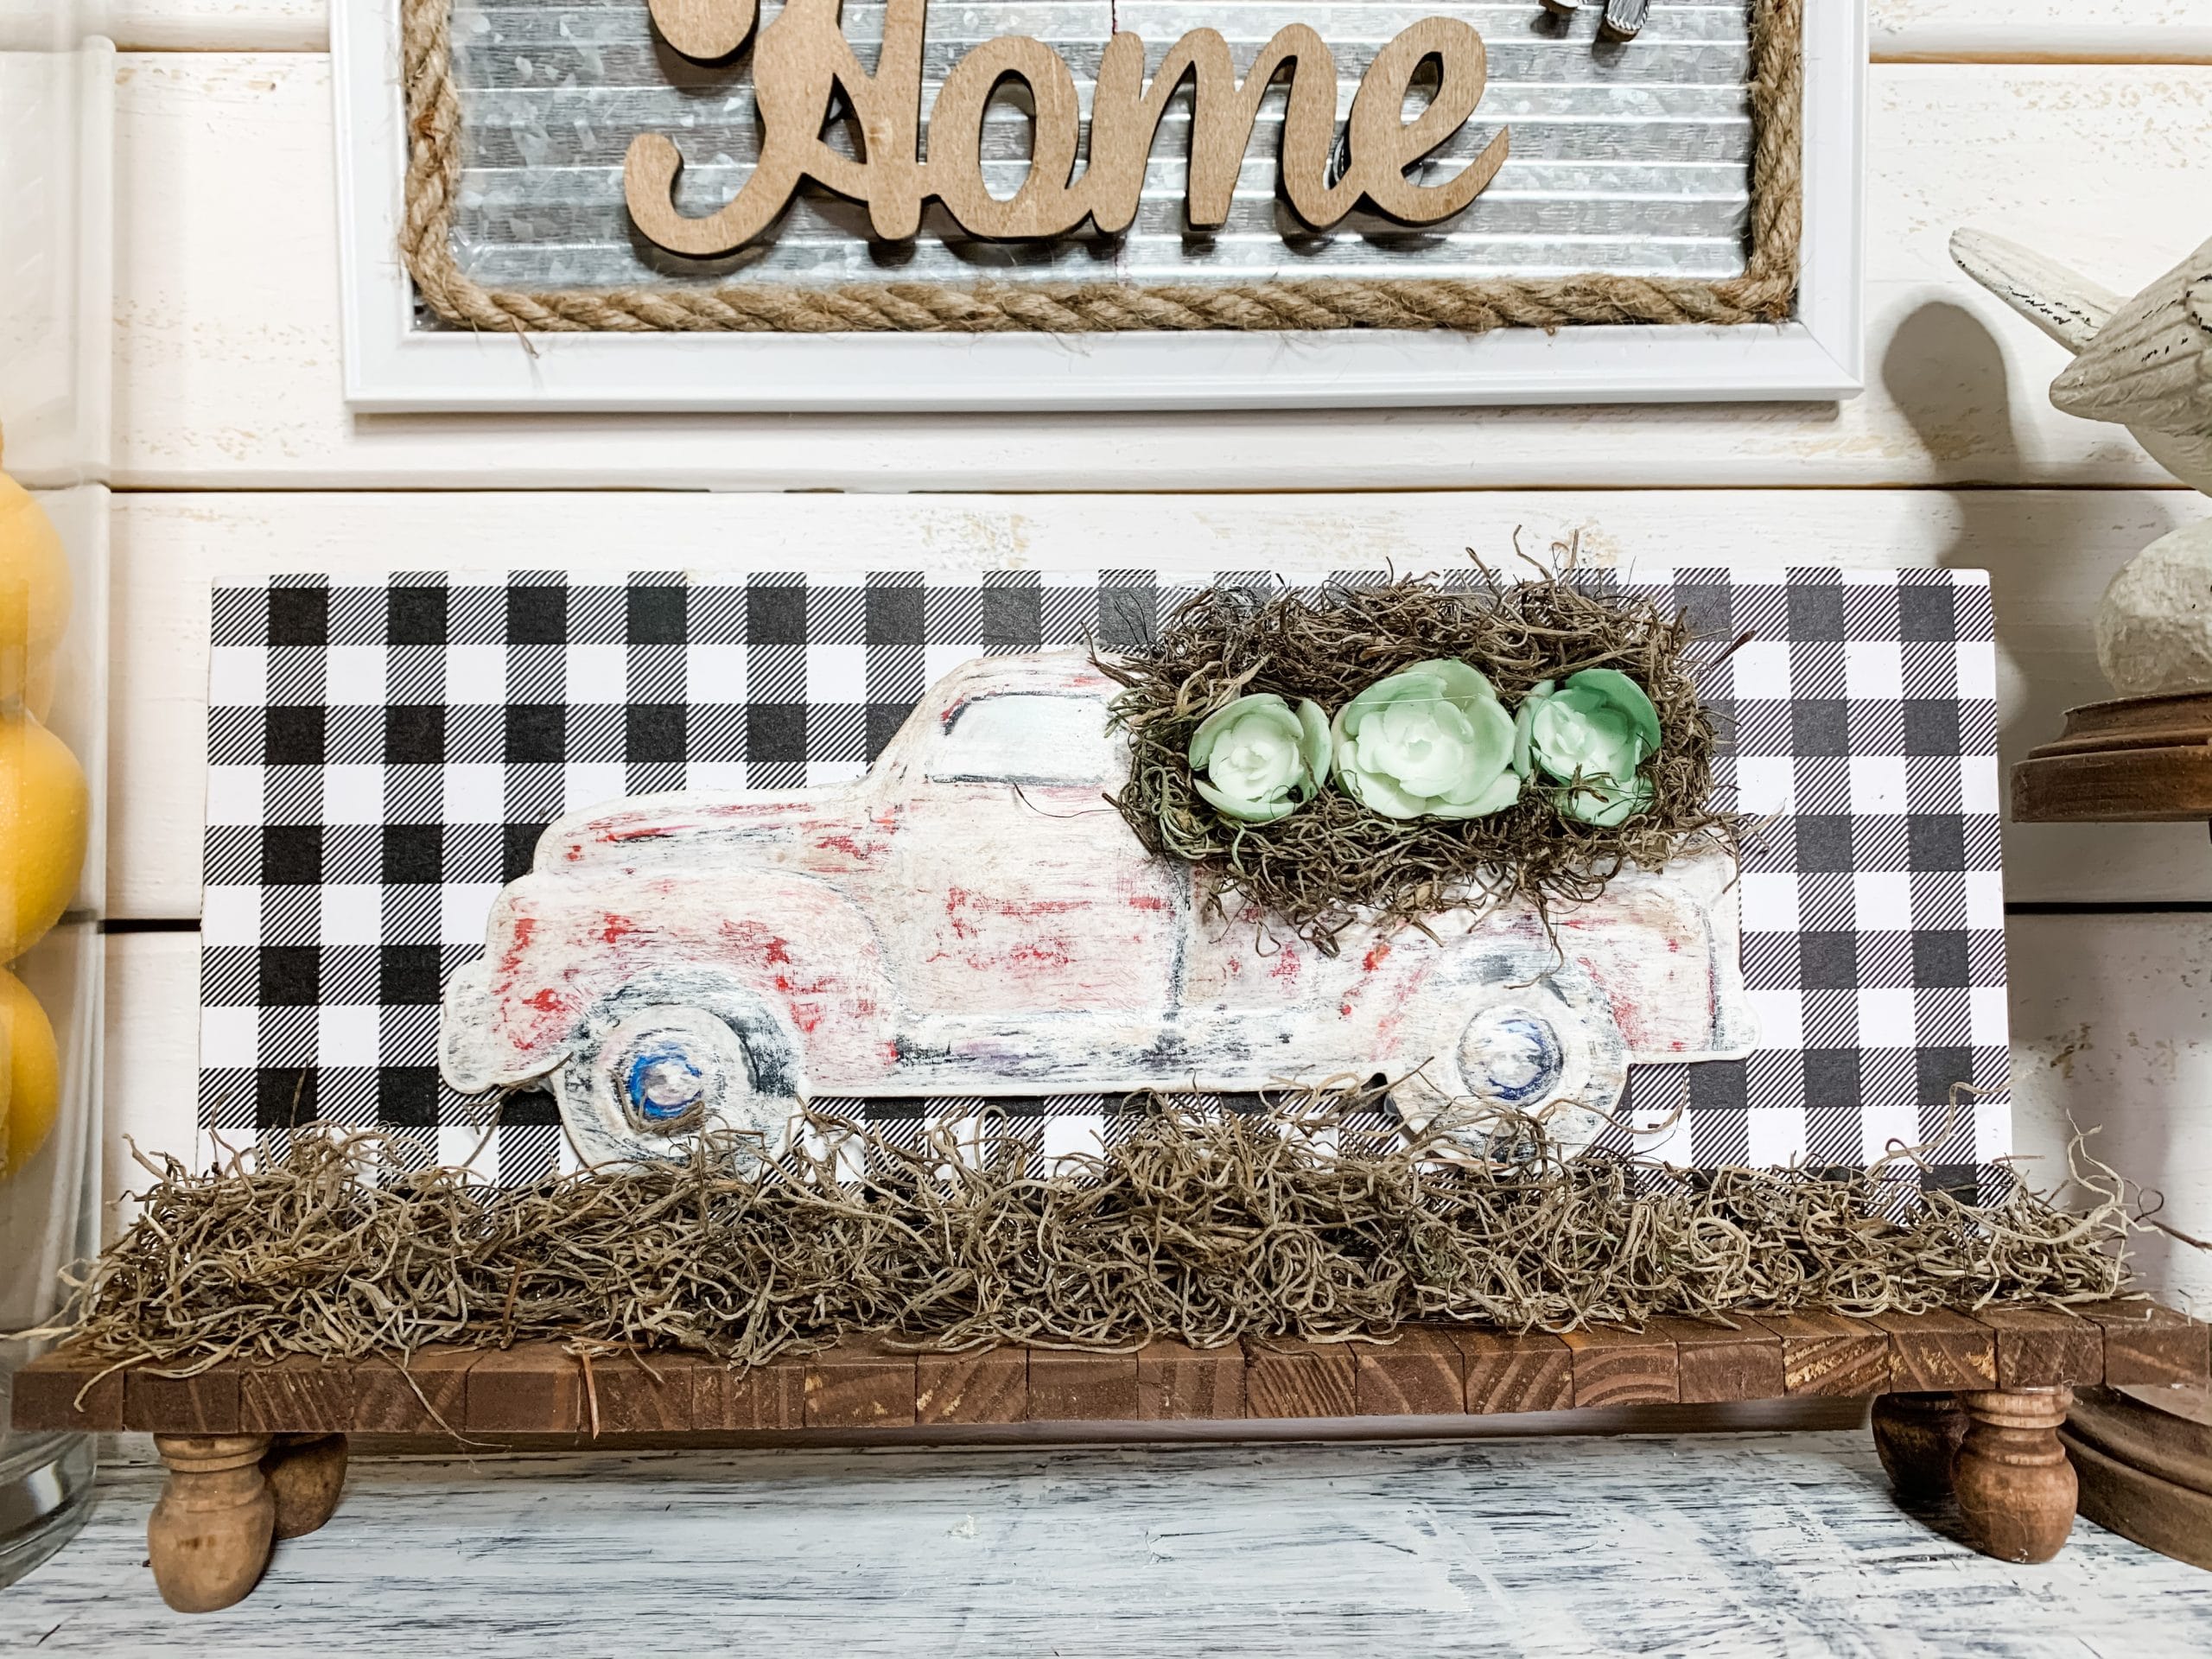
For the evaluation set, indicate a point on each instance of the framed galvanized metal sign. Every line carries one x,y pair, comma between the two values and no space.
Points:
807,204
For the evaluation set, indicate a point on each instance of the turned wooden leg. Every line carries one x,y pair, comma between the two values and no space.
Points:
2015,1488
1916,1436
209,1536
306,1473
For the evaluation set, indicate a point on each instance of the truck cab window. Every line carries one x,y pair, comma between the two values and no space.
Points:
1018,737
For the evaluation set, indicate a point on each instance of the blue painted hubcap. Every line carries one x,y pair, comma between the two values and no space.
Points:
1512,1055
663,1084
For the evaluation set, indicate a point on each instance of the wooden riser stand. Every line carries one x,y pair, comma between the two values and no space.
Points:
1969,1403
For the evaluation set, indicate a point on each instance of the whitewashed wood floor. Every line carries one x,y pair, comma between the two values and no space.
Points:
1723,1545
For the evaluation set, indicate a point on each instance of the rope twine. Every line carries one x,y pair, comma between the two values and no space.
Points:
1765,292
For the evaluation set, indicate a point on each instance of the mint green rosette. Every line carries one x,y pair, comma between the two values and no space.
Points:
1592,734
1258,760
1431,742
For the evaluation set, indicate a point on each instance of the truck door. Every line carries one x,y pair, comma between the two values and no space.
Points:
1025,892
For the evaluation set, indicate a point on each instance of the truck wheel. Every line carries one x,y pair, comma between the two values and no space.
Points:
1531,1035
652,1074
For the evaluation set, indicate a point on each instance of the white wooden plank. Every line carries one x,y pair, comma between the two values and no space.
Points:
2118,30
2112,1031
2052,553
230,374
2127,31
221,25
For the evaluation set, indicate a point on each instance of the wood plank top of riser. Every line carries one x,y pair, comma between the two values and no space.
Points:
544,1388
229,369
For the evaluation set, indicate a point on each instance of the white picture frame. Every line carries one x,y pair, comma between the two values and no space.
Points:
393,366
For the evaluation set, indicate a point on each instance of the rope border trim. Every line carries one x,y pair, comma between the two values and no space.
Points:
1766,292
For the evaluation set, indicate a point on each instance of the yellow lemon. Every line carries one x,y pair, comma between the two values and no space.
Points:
32,1077
44,804
38,689
34,588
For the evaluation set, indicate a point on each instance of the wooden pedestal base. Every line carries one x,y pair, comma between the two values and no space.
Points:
2144,1453
209,1535
228,1498
2131,761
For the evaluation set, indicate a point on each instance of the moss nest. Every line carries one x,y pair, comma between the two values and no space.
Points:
1333,862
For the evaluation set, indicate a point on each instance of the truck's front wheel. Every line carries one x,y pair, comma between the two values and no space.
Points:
652,1075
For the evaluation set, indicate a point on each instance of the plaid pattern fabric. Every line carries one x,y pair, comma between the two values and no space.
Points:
383,752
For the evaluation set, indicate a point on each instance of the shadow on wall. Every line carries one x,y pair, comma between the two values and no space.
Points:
2051,554
1945,372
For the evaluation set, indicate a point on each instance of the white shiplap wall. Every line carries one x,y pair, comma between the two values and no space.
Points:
2077,125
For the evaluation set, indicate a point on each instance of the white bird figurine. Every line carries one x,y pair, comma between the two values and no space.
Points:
2146,362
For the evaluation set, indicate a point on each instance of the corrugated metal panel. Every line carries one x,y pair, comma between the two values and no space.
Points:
1631,157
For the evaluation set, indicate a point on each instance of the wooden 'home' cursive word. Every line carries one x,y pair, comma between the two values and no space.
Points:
801,65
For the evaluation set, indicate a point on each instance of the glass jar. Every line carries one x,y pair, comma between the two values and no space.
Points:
56,100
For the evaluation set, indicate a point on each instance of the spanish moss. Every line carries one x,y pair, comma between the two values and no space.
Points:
1332,863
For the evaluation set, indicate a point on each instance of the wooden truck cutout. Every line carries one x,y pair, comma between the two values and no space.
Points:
971,918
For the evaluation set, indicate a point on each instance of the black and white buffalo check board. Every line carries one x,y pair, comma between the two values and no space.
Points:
382,754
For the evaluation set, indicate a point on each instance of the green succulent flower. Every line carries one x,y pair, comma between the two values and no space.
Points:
1604,805
1255,761
1431,742
1592,734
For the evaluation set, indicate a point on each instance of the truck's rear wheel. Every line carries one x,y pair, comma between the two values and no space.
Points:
1534,1038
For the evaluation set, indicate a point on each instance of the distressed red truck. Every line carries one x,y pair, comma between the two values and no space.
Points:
971,918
